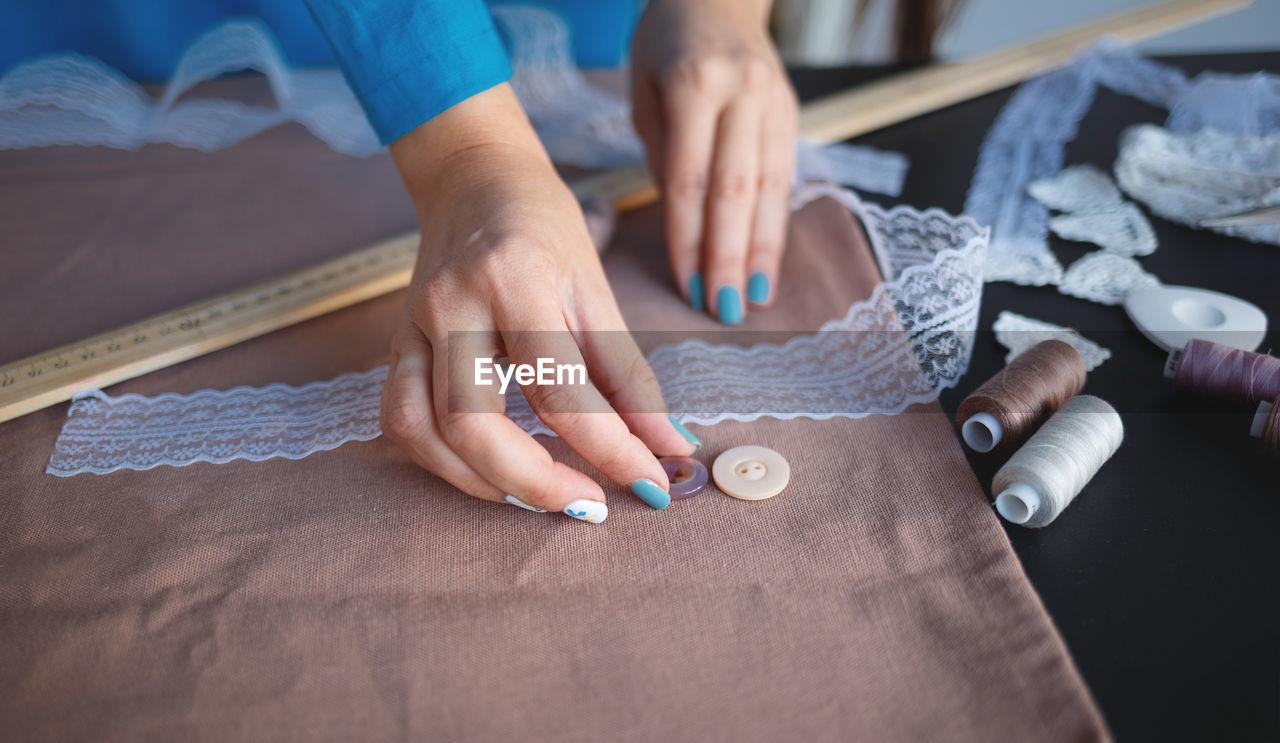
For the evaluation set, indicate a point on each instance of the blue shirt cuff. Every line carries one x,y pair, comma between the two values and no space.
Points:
409,60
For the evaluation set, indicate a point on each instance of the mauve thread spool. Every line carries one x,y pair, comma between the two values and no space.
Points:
1266,424
1042,478
1005,409
1222,371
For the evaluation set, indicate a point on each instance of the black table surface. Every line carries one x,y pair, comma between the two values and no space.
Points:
1164,575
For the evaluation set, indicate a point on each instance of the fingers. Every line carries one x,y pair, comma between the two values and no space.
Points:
408,417
623,375
769,233
731,206
474,426
728,137
646,114
691,117
575,409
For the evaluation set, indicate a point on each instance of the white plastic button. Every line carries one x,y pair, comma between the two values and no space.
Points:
751,472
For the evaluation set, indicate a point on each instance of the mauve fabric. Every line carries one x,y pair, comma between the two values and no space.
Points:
352,596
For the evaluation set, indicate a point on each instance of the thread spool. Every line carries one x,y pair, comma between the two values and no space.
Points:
1213,369
1266,424
1042,478
1006,408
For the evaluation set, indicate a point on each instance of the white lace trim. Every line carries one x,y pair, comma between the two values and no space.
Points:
1079,188
70,99
578,123
1029,136
1096,212
105,433
1122,231
908,341
1181,176
856,166
1238,104
1027,142
1187,177
1018,333
1105,278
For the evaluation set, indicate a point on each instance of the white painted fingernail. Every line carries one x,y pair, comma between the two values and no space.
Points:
587,510
517,502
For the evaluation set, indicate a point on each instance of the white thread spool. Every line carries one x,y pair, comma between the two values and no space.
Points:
1050,470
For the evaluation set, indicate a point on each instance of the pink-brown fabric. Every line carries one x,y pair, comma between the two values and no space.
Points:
352,596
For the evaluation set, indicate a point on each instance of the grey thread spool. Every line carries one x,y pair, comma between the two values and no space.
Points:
1050,470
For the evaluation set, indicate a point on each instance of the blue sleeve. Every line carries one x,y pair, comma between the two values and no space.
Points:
408,60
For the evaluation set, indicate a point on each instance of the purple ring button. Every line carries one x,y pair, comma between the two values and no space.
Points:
688,476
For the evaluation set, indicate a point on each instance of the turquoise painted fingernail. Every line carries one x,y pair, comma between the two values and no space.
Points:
648,491
686,433
697,293
729,305
758,288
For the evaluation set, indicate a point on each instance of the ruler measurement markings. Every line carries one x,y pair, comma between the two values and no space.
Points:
286,296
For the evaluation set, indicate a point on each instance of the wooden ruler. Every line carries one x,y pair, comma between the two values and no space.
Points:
185,333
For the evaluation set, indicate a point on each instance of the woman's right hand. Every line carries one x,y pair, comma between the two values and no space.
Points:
506,268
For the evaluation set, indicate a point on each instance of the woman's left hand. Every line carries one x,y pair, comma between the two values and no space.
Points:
718,118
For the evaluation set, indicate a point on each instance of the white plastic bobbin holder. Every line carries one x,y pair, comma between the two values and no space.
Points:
1169,316
982,432
1018,502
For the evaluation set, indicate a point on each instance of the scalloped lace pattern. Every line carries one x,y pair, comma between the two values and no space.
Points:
1123,230
864,168
1105,278
578,123
1030,134
1079,188
1095,211
1019,332
1027,143
105,433
1187,177
68,99
908,341
1239,104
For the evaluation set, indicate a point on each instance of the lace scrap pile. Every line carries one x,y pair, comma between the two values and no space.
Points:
1094,211
1187,177
905,344
1097,213
1028,139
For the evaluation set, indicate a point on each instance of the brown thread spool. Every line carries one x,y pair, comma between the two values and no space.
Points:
1266,424
1007,408
1213,369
